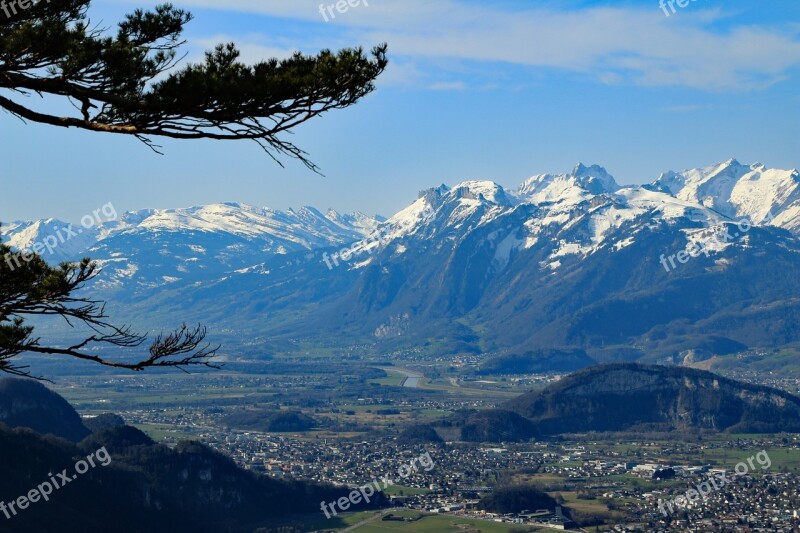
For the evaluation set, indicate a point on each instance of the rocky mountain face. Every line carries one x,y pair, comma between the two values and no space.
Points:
631,397
628,397
574,262
695,264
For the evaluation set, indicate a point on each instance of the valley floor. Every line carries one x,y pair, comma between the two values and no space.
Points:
602,480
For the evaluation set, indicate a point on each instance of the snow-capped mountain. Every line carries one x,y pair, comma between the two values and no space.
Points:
152,248
571,261
581,182
576,261
304,228
586,204
58,240
738,191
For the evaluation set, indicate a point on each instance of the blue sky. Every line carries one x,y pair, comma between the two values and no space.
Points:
494,90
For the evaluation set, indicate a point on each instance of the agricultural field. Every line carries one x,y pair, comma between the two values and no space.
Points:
442,524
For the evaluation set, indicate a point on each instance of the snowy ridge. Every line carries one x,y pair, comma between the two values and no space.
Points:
567,215
531,268
586,206
305,227
25,235
738,191
581,183
152,248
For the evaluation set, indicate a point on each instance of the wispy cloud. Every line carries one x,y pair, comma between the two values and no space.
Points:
449,86
613,45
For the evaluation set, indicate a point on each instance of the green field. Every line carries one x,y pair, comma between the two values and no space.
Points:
394,379
160,432
782,459
442,524
399,490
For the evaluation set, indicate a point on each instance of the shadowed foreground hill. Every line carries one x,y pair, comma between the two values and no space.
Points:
624,397
516,499
30,404
146,487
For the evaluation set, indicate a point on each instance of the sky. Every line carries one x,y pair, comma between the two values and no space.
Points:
492,90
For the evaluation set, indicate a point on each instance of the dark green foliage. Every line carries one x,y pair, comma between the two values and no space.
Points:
53,49
625,397
497,425
30,288
26,403
103,421
26,280
515,499
146,487
664,473
420,434
117,439
96,500
269,421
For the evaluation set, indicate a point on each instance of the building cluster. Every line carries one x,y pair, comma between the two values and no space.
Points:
629,477
767,502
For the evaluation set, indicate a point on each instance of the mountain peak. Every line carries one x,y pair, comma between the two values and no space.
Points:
475,190
737,190
731,167
581,182
595,179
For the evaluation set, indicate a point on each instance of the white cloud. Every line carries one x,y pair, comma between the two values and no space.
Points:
401,73
614,45
449,86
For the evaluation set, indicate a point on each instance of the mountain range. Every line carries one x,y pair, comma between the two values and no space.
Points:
694,265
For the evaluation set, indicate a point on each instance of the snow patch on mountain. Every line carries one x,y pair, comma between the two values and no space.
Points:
582,183
762,195
70,240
